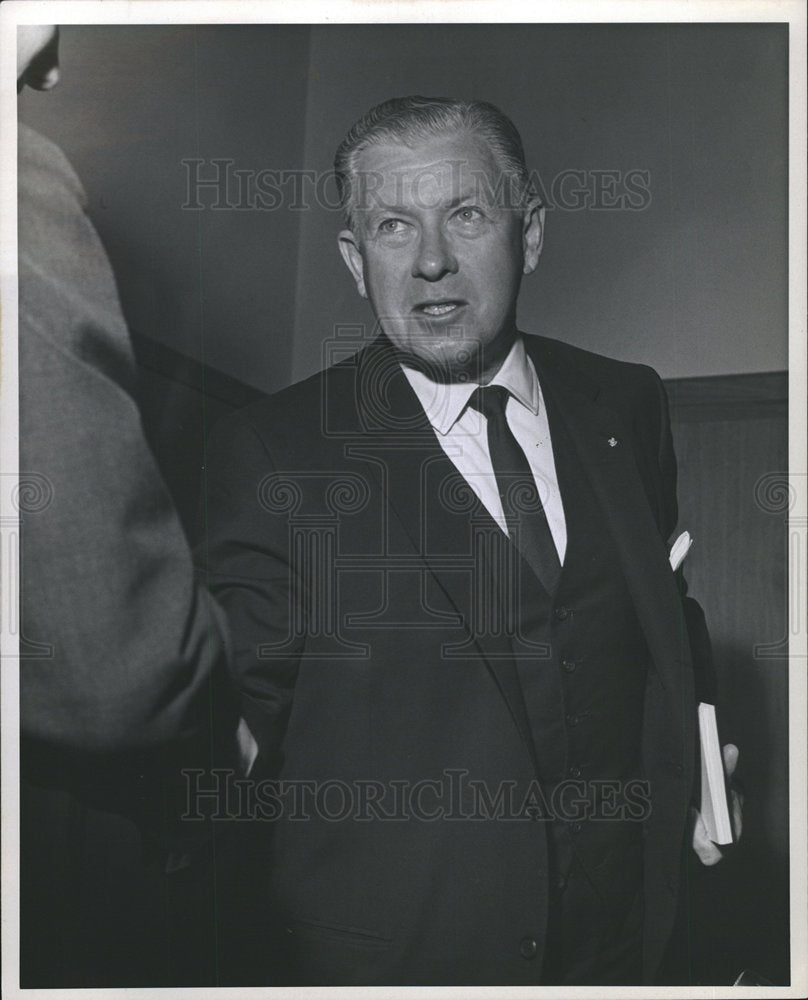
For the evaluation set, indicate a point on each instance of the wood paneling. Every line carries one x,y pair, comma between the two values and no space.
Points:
731,441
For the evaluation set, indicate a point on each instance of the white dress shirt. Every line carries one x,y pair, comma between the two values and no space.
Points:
463,434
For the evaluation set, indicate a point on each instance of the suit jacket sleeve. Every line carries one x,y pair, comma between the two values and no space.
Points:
121,648
245,553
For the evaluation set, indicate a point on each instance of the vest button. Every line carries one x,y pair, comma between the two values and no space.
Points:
569,666
575,827
575,771
528,947
572,720
562,613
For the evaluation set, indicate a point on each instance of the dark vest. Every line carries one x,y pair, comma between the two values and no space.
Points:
584,698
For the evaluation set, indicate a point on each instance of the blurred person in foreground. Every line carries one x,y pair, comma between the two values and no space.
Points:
123,655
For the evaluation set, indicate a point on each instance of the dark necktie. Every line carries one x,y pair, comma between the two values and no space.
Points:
521,504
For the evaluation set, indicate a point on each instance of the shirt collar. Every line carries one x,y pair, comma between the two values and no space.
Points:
443,402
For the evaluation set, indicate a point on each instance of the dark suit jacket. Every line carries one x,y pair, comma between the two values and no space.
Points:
340,543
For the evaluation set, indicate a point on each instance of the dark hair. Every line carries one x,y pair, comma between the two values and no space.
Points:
410,119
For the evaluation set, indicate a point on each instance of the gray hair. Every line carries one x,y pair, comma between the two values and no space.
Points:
412,119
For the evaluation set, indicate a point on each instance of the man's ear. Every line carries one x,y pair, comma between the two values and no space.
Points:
37,56
352,255
532,234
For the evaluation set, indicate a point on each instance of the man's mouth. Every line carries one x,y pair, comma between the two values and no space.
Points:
442,308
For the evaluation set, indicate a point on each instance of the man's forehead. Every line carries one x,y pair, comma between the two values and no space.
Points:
444,168
433,154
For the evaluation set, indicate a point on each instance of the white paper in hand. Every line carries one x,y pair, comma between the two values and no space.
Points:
714,804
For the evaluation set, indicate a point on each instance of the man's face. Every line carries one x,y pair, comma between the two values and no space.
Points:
439,248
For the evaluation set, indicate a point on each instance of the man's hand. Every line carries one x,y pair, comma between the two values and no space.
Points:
708,852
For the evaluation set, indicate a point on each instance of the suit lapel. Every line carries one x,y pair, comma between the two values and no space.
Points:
605,448
427,496
435,507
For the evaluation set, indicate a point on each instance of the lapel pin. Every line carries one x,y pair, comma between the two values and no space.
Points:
612,442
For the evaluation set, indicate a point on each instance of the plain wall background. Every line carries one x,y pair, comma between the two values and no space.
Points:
694,284
132,104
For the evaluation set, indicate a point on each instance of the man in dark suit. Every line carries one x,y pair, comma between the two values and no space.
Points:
461,648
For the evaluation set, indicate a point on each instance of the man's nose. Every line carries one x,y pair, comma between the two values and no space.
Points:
435,257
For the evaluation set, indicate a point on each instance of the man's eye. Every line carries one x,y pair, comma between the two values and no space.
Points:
469,214
391,226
